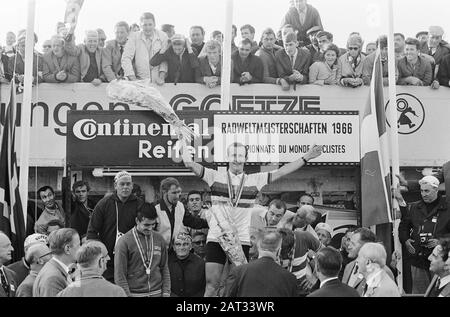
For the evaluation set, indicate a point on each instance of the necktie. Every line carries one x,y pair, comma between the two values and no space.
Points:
292,61
302,16
5,285
121,69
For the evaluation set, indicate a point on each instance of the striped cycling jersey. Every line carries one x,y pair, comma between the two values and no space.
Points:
240,215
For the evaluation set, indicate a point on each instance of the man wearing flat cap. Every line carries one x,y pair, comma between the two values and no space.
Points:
314,48
423,38
423,223
181,60
19,61
113,216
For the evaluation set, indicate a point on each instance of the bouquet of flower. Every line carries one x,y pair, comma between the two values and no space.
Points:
229,239
142,94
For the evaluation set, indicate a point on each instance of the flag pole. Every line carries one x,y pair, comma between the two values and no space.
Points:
392,115
226,58
26,108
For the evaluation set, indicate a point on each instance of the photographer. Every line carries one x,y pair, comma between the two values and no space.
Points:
423,223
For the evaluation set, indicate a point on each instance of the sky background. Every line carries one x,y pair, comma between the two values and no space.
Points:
369,17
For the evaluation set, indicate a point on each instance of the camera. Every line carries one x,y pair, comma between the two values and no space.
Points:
424,238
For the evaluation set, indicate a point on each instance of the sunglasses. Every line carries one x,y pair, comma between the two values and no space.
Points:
46,254
47,46
353,48
199,242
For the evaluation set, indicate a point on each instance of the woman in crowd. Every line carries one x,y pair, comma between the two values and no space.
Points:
351,63
325,72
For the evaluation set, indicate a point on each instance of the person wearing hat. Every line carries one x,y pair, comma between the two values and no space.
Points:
22,267
263,277
113,216
37,255
187,270
351,63
422,224
17,64
302,17
324,232
423,38
313,47
181,60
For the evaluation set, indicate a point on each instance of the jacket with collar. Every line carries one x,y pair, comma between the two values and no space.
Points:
130,273
11,280
102,225
81,52
269,62
383,286
51,280
251,64
38,66
182,219
179,70
302,63
70,64
414,216
21,269
204,70
112,60
345,68
334,288
187,277
136,57
312,18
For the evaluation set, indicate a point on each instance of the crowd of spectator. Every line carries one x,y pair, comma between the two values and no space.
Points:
301,52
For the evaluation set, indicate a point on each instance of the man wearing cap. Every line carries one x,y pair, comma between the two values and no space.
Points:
423,223
22,267
314,48
302,17
324,232
139,50
17,64
423,38
37,255
113,216
263,277
181,59
187,270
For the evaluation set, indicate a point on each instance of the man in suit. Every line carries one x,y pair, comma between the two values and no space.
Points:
210,68
247,68
328,264
54,276
371,262
263,277
8,283
352,274
59,67
441,282
293,62
112,53
302,16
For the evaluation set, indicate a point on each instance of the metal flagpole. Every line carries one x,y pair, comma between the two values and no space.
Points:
226,57
26,108
392,115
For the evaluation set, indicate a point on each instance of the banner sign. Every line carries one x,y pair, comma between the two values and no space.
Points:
275,137
422,112
142,138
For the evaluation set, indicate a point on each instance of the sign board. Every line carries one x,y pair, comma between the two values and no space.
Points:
422,112
142,138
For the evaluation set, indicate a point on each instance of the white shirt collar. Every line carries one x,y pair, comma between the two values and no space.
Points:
234,175
374,278
444,281
65,267
327,280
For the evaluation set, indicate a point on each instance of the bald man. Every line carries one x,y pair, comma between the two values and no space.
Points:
92,258
37,255
8,283
371,262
